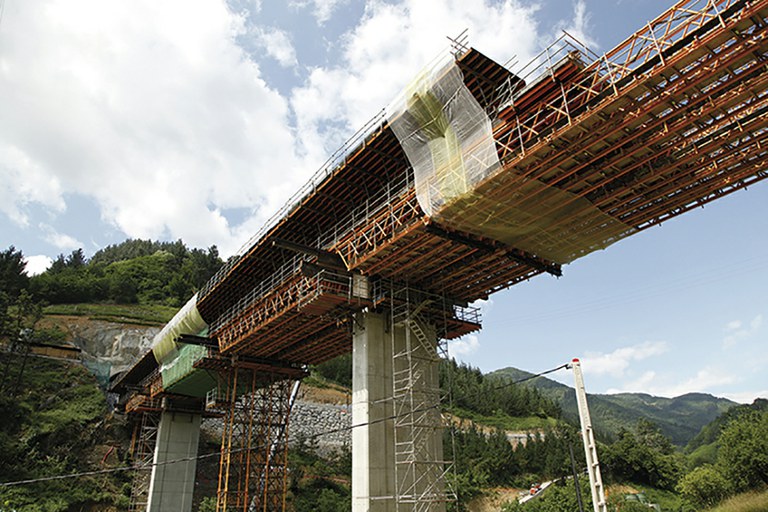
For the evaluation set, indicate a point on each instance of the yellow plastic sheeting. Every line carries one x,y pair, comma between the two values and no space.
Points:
186,321
446,135
545,221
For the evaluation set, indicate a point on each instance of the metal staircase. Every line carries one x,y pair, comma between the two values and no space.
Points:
420,467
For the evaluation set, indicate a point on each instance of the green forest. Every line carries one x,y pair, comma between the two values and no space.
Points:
54,418
133,272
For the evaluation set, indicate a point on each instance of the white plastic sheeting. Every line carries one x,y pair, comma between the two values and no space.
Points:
448,139
446,136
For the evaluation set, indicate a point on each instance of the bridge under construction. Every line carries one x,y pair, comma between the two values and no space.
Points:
476,178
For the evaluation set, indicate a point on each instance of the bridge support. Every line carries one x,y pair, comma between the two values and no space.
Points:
397,453
256,403
171,485
373,443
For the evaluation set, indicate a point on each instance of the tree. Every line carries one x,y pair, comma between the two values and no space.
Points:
643,457
13,275
705,486
743,453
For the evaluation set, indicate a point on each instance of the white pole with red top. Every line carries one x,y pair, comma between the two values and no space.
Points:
587,433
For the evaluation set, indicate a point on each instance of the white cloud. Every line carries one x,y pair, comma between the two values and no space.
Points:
617,362
25,181
706,380
485,306
277,43
322,10
61,241
389,46
746,397
150,108
737,332
37,264
464,346
578,26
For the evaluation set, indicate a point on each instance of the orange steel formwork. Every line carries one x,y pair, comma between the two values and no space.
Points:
670,119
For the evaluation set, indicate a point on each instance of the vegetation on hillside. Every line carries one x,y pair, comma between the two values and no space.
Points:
132,272
54,424
678,418
53,418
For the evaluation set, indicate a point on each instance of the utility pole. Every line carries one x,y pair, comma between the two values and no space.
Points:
588,435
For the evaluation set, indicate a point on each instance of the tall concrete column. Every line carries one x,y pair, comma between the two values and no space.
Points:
373,459
397,463
171,485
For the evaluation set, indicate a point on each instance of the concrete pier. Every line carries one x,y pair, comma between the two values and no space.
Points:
397,463
171,485
373,459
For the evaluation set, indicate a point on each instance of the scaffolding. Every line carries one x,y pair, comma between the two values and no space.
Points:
143,444
255,402
420,465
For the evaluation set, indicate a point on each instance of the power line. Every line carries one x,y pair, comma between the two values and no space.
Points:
238,450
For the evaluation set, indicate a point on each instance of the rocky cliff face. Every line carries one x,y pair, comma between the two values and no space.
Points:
107,344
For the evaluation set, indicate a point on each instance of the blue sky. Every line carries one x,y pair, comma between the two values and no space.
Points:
197,120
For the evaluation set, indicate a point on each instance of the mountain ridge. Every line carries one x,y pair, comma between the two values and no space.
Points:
680,418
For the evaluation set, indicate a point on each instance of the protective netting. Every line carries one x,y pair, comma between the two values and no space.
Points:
449,142
446,135
182,364
546,221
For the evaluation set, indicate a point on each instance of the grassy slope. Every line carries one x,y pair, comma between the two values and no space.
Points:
55,425
119,313
747,502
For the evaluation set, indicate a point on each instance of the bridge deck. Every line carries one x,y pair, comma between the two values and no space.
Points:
591,152
591,149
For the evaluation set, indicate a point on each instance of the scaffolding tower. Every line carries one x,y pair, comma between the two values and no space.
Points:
143,444
420,466
255,402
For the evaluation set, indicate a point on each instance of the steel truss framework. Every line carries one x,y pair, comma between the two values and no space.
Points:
143,444
674,117
253,465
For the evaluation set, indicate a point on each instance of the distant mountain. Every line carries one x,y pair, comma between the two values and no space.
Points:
680,418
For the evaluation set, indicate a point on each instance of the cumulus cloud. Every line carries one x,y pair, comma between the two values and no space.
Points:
37,264
390,45
154,111
736,331
61,241
617,362
277,44
150,108
464,346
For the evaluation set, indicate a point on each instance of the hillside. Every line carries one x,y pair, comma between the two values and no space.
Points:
680,418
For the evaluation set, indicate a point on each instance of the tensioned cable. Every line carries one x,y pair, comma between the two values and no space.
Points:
238,450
